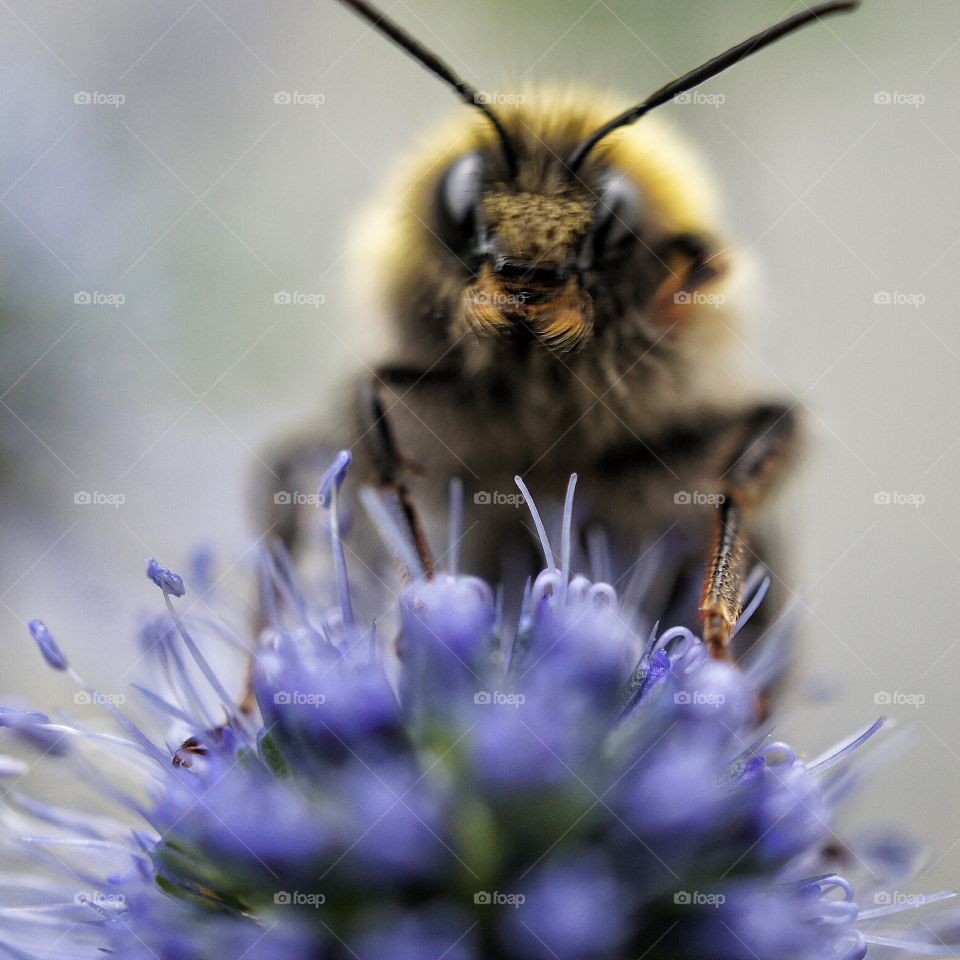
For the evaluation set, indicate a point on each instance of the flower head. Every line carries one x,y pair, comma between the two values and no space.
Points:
581,789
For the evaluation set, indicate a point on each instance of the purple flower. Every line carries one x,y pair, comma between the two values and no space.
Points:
577,789
165,579
444,645
322,708
48,646
573,909
418,935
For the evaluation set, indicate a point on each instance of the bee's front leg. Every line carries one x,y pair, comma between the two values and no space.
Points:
381,454
767,435
378,435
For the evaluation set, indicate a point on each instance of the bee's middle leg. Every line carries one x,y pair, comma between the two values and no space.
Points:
768,436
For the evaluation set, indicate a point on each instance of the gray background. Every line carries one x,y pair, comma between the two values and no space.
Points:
199,198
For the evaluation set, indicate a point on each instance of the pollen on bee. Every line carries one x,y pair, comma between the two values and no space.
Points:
191,747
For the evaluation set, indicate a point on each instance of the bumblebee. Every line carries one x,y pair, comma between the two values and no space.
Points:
549,298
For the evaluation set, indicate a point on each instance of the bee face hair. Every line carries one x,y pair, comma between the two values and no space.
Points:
458,247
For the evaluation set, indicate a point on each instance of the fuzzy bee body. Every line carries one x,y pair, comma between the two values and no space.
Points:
548,300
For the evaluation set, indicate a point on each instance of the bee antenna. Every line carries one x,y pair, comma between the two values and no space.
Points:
707,70
468,94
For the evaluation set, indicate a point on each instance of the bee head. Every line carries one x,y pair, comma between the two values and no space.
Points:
543,225
520,244
540,253
532,253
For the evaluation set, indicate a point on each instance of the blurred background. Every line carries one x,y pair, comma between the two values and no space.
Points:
155,198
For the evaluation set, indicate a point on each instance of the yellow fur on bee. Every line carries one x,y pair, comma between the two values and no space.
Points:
677,189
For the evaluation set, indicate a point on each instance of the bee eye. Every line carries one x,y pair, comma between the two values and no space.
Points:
458,198
618,218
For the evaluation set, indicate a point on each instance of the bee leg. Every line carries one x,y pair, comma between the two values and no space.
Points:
388,461
767,435
284,529
388,465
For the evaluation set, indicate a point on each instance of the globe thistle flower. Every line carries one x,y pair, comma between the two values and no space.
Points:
581,787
